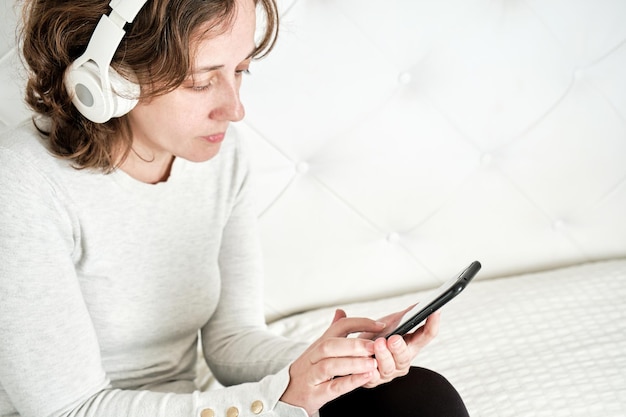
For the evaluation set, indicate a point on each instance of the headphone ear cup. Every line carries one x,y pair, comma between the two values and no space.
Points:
83,85
96,102
124,94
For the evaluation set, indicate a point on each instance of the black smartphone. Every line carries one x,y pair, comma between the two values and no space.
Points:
433,301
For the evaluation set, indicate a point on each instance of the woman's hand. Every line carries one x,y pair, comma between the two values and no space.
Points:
394,355
335,364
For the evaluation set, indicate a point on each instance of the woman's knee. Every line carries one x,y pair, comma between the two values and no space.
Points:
421,392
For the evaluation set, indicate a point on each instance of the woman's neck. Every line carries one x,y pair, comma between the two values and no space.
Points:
151,169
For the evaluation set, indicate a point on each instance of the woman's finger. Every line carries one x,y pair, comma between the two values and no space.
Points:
425,334
337,347
339,314
331,368
342,385
347,325
386,361
398,348
391,321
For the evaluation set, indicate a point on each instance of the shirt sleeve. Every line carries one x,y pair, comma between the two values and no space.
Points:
237,345
50,362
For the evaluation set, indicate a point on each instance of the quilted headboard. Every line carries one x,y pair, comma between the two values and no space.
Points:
396,141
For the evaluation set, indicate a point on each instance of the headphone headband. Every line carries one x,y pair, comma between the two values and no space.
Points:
127,9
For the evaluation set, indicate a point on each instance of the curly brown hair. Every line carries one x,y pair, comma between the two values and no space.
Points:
156,52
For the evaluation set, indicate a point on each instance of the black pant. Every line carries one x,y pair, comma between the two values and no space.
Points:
421,393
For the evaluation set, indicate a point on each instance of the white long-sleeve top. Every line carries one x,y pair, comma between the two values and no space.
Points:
106,282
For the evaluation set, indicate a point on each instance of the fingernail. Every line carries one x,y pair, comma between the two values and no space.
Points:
381,324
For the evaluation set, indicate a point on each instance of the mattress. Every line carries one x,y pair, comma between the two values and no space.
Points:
543,344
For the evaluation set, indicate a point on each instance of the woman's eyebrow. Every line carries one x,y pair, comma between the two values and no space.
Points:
208,69
217,67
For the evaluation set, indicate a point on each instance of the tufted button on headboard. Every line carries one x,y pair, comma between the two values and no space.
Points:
394,142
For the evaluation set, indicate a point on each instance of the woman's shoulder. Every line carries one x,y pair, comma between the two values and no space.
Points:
24,144
26,161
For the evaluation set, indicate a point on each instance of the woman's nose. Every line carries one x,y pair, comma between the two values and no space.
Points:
228,106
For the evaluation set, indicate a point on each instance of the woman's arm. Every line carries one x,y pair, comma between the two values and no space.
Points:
50,363
237,344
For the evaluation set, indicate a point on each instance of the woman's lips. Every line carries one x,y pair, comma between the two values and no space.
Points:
216,138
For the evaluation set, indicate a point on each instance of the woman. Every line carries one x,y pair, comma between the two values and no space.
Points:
127,233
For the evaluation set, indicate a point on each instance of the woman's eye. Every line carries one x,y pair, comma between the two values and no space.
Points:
197,87
200,87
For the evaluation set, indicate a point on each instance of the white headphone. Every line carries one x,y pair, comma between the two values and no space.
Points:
97,90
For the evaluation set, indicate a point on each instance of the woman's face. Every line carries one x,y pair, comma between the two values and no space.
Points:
190,121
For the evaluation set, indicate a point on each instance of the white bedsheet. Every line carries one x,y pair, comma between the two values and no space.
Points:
544,344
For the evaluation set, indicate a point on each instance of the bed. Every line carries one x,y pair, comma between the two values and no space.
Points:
543,344
393,143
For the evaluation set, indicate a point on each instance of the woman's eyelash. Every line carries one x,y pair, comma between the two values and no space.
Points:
200,88
203,87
